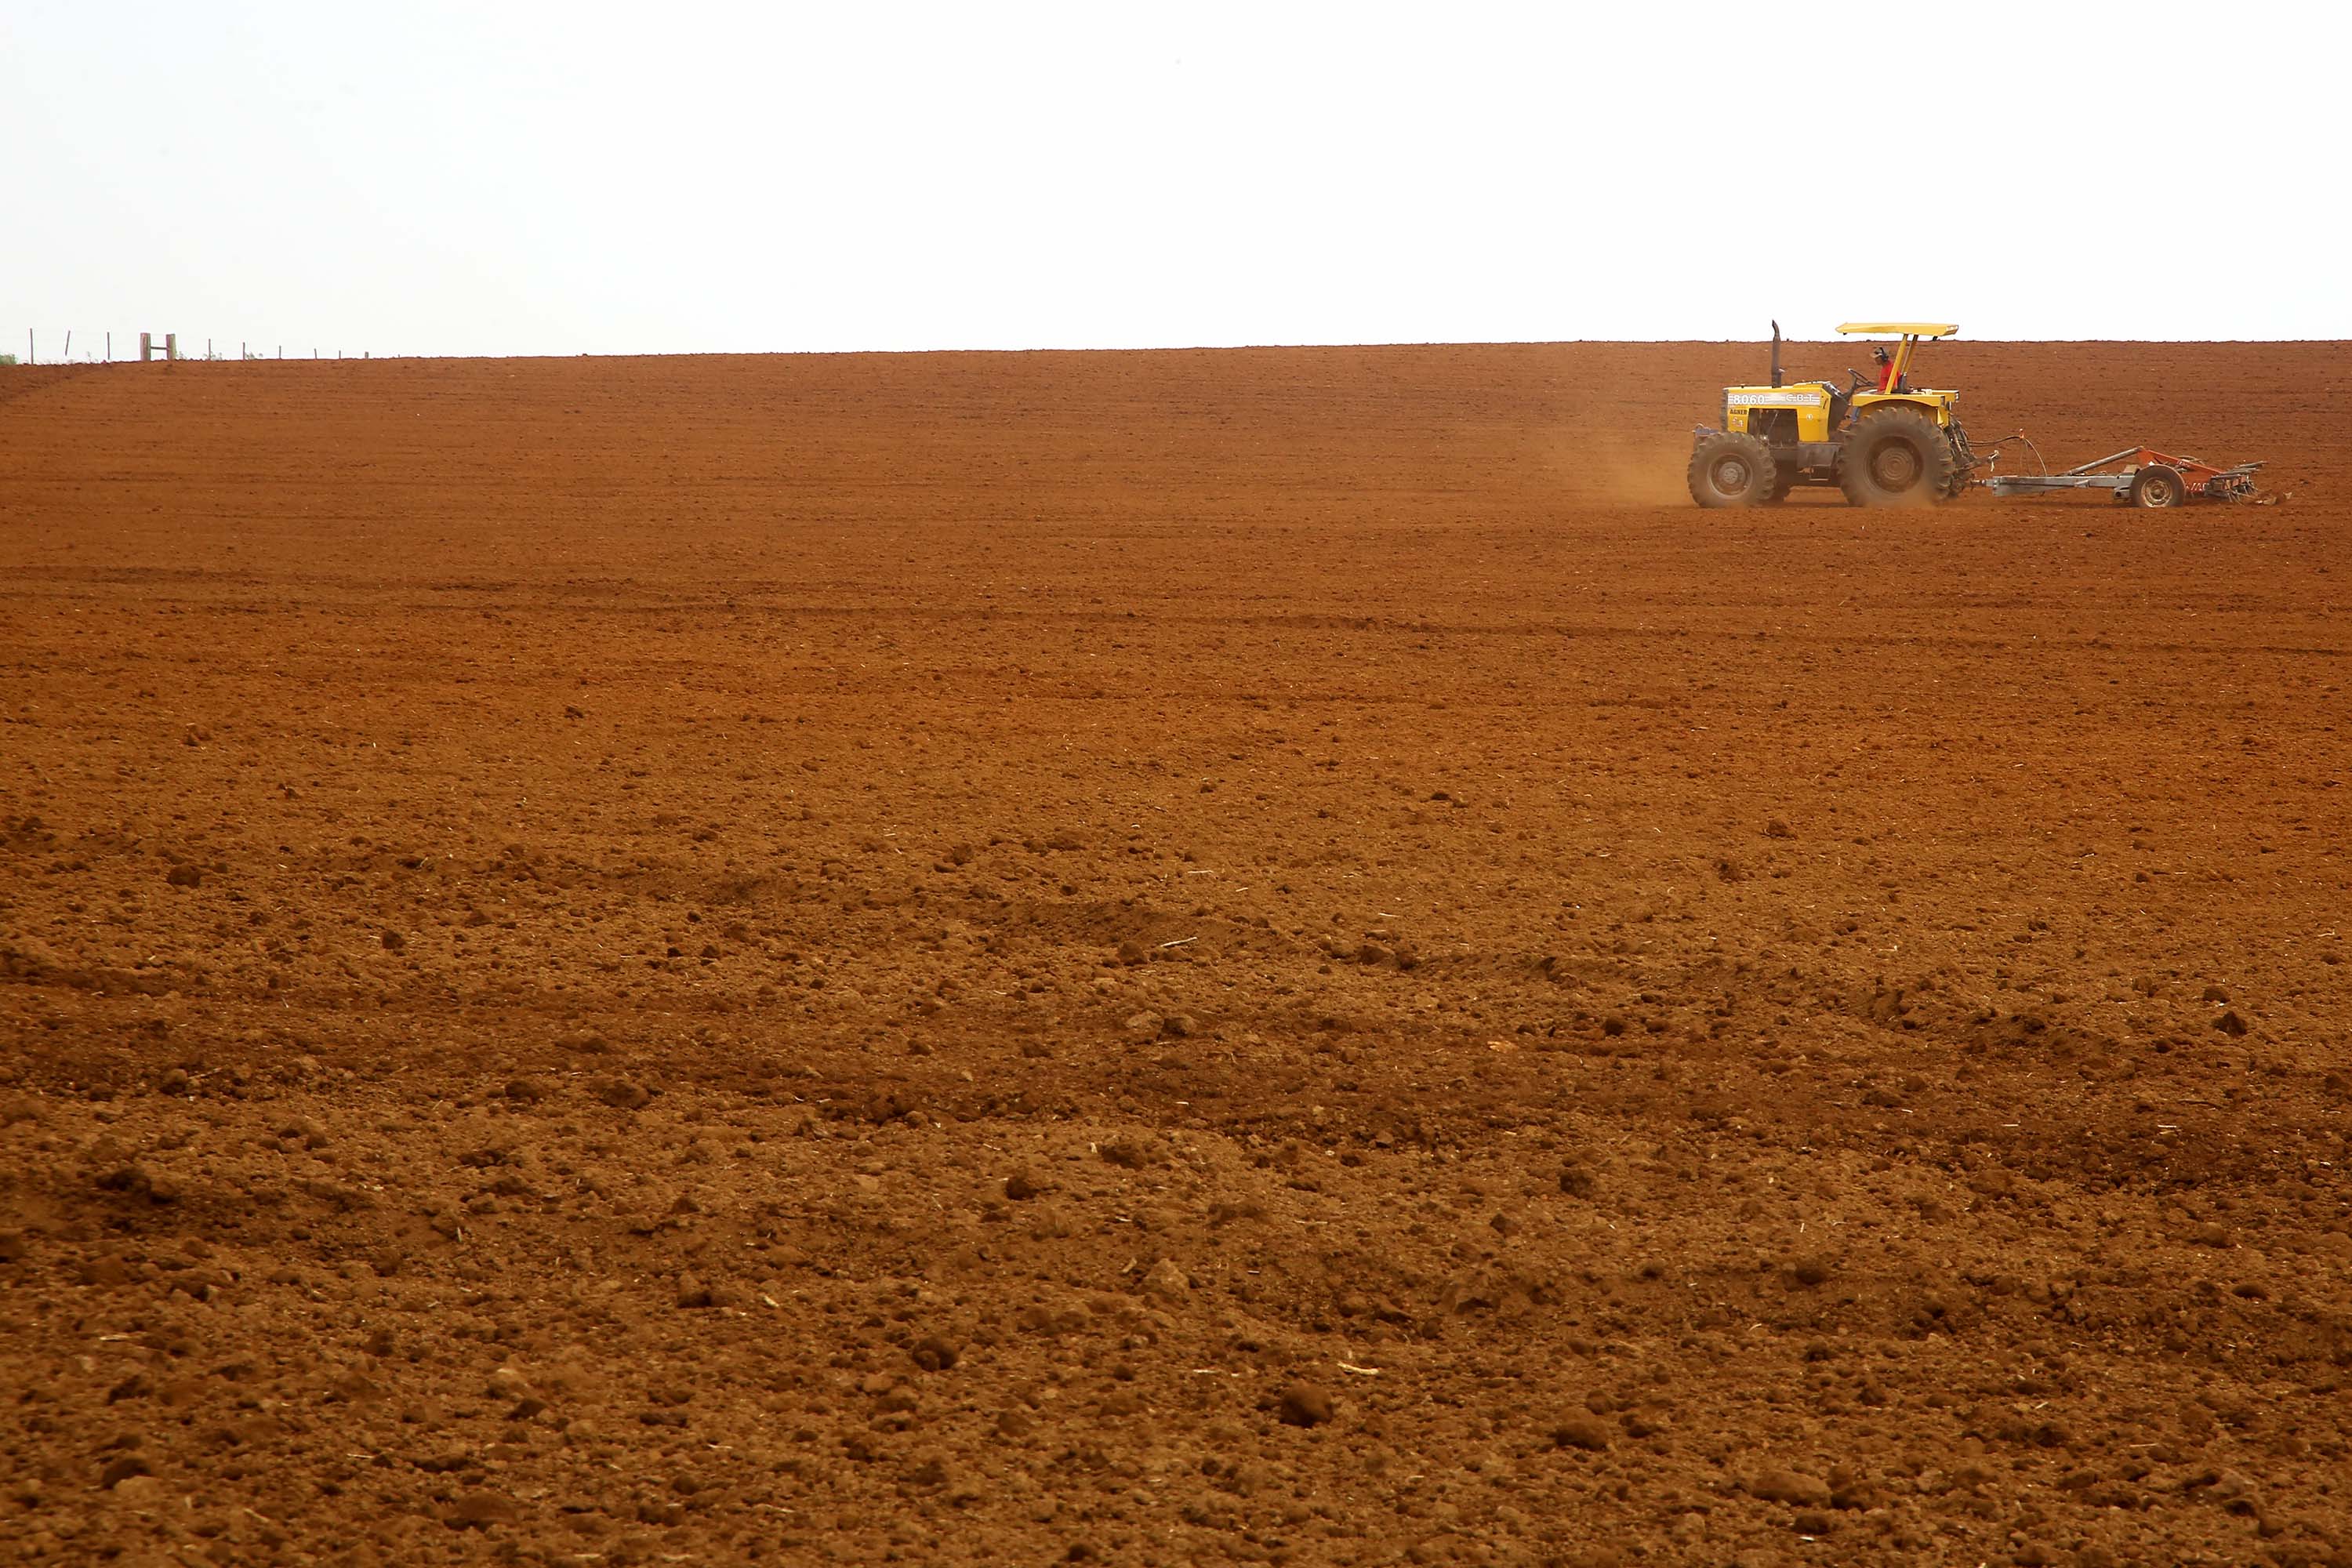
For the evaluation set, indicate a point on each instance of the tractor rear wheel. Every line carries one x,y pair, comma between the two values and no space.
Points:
1727,469
1897,458
2157,486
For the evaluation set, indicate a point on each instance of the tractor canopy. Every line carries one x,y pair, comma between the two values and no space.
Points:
1894,370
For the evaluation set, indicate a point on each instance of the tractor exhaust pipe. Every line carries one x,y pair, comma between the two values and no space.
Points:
1776,353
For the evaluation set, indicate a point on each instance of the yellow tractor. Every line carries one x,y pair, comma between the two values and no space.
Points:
1880,440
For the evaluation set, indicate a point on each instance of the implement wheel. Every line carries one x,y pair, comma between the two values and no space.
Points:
2157,486
1731,469
1898,457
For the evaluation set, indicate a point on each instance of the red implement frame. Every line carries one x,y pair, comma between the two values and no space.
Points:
2141,476
2203,480
2197,478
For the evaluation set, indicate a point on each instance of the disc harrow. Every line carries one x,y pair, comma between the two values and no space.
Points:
2141,476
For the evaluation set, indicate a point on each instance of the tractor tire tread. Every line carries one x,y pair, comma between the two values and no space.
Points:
1762,470
1938,462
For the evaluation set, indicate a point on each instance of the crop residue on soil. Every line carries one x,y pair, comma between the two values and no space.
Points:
1161,958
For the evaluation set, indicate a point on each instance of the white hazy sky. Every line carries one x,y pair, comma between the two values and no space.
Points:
473,176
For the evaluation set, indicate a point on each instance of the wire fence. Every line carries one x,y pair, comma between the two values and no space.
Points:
68,347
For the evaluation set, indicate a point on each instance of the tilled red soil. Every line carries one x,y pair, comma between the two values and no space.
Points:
1158,958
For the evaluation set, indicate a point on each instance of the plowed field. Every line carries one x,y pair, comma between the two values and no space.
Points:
1269,956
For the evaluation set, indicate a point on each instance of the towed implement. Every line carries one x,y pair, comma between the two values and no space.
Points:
2139,476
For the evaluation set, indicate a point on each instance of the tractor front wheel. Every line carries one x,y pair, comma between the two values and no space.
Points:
1727,469
1898,457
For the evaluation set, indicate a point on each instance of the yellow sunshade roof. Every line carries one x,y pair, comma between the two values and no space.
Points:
1907,329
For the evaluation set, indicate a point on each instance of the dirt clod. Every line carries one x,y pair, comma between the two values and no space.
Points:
1796,1488
1584,1432
621,1094
1813,1269
121,1468
1133,1153
1305,1404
